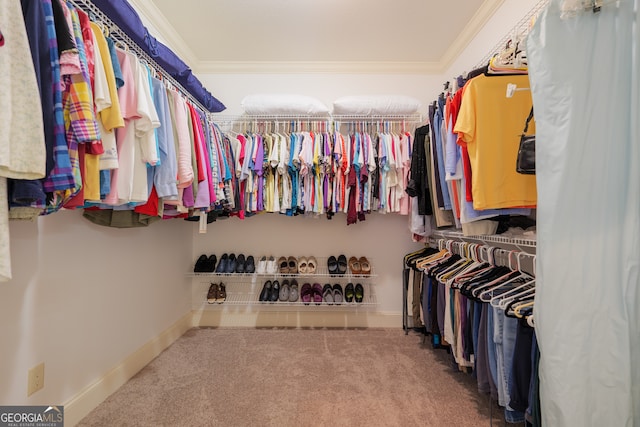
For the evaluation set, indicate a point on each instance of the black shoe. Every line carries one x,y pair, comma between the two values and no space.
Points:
231,264
222,265
211,264
265,295
332,265
250,265
275,291
359,295
240,264
348,292
201,264
342,264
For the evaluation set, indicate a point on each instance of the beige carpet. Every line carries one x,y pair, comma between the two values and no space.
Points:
296,377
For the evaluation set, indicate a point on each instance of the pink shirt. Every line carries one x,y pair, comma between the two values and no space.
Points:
185,168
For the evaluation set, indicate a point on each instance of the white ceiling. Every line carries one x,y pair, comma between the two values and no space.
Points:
317,35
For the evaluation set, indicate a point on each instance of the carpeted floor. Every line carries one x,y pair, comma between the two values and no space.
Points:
297,377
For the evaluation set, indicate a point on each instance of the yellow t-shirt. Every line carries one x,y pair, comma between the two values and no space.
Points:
490,124
111,117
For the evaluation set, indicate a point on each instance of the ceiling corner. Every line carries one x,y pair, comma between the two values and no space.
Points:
476,23
150,13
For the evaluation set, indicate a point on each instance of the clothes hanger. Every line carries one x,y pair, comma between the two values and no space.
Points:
524,291
491,277
510,309
520,308
487,295
478,267
422,264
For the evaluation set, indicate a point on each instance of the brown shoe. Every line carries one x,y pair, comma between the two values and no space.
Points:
354,265
365,267
212,295
222,293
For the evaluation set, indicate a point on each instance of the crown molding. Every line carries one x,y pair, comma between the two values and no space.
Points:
317,67
150,12
473,27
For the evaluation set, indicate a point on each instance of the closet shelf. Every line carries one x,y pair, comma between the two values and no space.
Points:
237,275
251,299
319,275
266,276
458,235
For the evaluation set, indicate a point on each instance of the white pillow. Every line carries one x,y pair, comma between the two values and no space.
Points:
283,104
383,105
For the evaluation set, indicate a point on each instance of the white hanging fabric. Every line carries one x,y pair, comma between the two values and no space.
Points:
585,80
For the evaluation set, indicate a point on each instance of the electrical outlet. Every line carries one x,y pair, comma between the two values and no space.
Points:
36,379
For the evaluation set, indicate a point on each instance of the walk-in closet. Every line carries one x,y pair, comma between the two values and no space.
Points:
303,213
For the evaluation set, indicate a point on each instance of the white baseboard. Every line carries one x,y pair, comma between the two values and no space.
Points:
296,319
86,400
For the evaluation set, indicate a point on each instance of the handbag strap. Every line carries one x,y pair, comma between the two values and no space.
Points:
526,126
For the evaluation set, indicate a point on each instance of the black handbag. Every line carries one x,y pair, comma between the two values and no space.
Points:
526,161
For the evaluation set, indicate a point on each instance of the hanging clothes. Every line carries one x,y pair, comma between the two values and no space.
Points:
471,306
489,125
22,145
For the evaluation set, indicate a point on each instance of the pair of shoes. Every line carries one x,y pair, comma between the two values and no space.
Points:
267,265
332,294
307,265
359,265
289,291
354,292
337,266
310,293
288,265
270,291
217,293
227,264
245,265
205,264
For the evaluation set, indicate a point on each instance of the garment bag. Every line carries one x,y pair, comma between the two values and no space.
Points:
585,81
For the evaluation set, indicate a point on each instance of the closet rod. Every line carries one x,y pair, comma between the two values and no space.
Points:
88,7
409,119
284,118
522,26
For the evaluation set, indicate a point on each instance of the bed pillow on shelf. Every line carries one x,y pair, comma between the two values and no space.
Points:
283,104
383,105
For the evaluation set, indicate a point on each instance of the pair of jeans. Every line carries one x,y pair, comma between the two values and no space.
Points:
504,336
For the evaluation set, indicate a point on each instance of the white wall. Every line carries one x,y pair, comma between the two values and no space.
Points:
383,239
231,88
83,298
